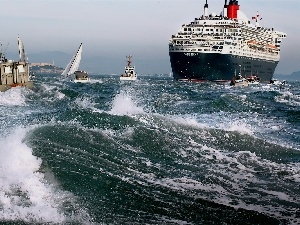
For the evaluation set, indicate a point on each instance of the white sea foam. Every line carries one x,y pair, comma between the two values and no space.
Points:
24,194
217,121
87,103
190,121
288,98
47,87
240,125
59,95
12,97
123,104
279,195
94,81
52,90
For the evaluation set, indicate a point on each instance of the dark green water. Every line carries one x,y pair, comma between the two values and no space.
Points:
154,151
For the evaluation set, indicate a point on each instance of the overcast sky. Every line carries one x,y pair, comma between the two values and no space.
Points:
112,29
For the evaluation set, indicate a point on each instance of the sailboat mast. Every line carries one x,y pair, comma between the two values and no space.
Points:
22,56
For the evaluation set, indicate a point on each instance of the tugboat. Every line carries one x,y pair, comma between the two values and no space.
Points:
13,74
129,73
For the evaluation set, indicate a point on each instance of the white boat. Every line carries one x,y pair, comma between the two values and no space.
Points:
71,70
253,80
239,81
129,73
274,81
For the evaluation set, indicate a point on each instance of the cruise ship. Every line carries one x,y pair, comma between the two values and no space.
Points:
218,47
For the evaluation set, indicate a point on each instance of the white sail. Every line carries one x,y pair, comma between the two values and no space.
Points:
21,51
74,63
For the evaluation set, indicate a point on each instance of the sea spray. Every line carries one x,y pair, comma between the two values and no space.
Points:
24,194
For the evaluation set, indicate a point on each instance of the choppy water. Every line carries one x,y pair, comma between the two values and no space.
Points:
154,151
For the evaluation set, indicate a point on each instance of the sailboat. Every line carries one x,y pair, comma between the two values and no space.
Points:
79,76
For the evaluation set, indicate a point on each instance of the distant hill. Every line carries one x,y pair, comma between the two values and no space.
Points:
295,76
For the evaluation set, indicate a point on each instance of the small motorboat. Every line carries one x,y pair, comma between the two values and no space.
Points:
253,80
274,81
239,81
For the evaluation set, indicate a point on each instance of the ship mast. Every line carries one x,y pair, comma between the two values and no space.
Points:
129,60
256,20
21,51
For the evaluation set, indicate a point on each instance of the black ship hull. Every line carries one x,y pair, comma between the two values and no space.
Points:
218,67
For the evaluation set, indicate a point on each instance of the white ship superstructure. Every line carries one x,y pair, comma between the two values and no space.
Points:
129,73
224,44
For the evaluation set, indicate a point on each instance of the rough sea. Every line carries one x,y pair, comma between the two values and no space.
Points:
153,151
